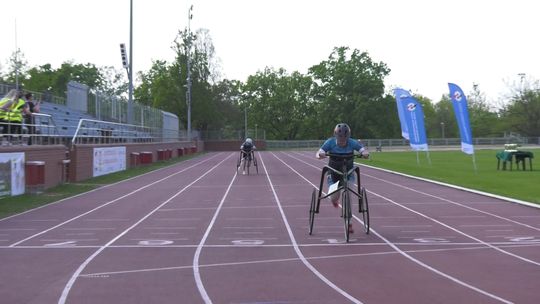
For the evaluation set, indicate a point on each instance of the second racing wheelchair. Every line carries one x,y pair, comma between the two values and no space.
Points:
358,194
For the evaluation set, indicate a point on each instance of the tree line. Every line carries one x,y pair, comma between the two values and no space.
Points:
348,86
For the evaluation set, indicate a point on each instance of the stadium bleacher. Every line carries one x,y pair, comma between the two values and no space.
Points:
66,119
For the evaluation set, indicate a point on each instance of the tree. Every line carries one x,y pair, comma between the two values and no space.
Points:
445,119
17,68
523,113
279,102
164,85
349,86
431,123
484,121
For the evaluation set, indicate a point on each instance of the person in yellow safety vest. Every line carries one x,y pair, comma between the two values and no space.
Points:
14,113
5,106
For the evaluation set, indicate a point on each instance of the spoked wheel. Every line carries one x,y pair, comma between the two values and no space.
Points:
364,208
244,165
312,209
346,212
255,163
239,161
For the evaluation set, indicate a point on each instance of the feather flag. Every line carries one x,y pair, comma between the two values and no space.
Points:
414,118
399,94
459,101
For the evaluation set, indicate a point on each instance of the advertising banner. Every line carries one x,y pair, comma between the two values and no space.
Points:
109,160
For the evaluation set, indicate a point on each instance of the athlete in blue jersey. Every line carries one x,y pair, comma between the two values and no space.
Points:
341,143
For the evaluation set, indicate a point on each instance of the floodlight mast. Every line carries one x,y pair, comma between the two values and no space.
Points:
130,70
188,84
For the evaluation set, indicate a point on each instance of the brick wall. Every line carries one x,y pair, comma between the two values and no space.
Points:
81,156
51,155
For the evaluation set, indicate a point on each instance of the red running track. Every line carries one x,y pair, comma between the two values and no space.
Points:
197,232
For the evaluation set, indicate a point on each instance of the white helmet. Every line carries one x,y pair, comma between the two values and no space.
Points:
249,140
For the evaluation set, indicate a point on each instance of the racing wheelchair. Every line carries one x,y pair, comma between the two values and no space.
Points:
249,158
344,160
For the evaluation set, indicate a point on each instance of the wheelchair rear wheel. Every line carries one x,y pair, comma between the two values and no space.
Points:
364,208
346,212
312,209
255,162
239,161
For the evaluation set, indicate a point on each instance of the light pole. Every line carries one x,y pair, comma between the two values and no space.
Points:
522,77
245,122
130,70
188,92
255,131
442,129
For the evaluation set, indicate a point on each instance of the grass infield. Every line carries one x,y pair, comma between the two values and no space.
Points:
456,168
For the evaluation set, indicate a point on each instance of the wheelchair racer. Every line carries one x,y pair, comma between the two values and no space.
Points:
341,143
246,148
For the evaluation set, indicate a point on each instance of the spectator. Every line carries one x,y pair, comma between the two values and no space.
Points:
28,118
11,112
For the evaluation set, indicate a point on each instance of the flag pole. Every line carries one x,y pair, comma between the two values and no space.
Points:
428,158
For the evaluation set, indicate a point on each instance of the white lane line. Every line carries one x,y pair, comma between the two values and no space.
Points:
461,216
499,230
501,225
295,259
248,228
101,188
295,245
446,225
69,285
167,228
138,240
105,220
325,243
196,271
23,221
249,219
406,226
64,228
396,248
67,240
108,203
178,219
236,239
453,202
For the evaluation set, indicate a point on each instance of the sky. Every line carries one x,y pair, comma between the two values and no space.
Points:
426,44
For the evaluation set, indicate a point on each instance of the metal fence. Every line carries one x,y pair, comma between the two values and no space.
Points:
402,143
230,134
103,132
106,108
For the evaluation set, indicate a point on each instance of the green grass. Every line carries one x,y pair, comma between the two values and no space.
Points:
17,204
456,168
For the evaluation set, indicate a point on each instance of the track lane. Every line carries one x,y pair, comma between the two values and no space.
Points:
153,261
34,223
257,251
417,231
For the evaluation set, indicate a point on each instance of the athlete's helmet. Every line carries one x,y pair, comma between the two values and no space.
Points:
249,140
342,132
